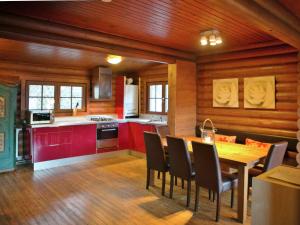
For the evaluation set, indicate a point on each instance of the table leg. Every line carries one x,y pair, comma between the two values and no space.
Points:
152,175
242,193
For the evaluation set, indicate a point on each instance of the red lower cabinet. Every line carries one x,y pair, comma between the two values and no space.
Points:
131,135
84,140
51,143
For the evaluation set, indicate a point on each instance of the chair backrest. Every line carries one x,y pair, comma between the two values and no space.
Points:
163,131
154,152
179,158
275,155
207,166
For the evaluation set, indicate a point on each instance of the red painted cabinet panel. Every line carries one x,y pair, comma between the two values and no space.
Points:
84,140
131,135
124,136
61,142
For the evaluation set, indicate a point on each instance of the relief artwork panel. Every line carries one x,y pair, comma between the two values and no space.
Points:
226,93
259,92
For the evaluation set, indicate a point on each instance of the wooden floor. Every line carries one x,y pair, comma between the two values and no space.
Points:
107,191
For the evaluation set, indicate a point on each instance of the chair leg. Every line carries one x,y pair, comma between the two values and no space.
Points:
158,175
197,198
218,207
188,197
214,196
232,198
171,186
182,183
148,178
163,183
175,180
209,194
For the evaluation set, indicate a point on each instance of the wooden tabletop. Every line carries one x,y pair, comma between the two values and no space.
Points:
232,153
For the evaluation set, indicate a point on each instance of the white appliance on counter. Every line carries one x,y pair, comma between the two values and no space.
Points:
131,100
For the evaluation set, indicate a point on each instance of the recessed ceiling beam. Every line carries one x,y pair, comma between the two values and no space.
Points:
49,32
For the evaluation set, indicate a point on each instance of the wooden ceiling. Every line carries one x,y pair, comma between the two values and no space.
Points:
174,24
292,5
53,56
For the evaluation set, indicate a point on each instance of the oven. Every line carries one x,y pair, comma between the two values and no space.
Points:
107,135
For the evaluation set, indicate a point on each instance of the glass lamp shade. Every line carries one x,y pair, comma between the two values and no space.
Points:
208,136
114,59
219,40
203,41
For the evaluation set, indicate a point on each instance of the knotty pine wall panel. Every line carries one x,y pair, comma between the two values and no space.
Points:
282,64
151,74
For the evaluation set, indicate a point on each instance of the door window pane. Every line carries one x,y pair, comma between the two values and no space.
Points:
158,105
166,105
75,101
152,105
166,91
48,103
157,95
48,91
152,91
158,90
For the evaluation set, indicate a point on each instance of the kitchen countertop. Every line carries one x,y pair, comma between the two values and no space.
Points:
83,121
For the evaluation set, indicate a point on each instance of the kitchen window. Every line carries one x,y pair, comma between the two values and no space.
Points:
157,98
41,97
60,97
70,97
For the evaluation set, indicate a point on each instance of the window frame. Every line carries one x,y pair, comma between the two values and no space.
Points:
163,83
57,86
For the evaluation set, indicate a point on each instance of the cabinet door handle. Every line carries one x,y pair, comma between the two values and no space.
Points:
53,145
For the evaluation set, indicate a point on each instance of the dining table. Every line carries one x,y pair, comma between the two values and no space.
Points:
238,156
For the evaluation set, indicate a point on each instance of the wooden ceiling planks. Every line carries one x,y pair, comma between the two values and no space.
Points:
173,24
41,54
292,5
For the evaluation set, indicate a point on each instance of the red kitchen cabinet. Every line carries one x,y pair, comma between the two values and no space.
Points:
131,135
51,143
124,137
84,140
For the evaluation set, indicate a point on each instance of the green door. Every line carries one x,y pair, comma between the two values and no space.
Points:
8,101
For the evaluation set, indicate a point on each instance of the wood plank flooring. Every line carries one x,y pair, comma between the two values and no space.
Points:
106,191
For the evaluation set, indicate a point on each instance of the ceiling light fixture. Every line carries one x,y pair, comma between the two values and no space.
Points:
114,59
210,37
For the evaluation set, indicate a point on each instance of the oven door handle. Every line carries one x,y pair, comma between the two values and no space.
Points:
113,129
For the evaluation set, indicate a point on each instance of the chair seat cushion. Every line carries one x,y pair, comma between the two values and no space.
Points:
229,182
253,172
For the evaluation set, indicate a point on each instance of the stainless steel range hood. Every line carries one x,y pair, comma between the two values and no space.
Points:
101,87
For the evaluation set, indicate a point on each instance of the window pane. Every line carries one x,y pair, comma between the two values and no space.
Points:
65,103
76,91
166,91
35,90
48,90
35,103
159,91
75,101
158,105
152,91
65,91
166,105
48,103
152,105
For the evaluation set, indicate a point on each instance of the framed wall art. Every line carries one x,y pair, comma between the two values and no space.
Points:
259,92
226,93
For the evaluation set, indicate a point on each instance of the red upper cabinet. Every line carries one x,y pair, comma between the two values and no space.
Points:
51,143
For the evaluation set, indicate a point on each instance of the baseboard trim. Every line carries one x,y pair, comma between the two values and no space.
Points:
78,159
7,170
137,154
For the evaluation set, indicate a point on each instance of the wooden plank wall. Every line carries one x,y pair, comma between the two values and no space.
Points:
151,74
298,113
279,61
16,73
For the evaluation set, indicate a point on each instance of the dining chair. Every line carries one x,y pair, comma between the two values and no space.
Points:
155,156
208,174
274,158
180,164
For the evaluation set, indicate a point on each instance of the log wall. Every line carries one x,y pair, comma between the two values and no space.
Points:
298,122
19,74
280,61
